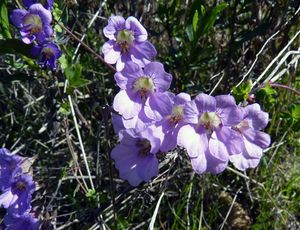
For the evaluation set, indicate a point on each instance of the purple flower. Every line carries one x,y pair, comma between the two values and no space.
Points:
254,119
34,24
172,120
127,42
135,156
25,222
48,4
17,196
208,137
9,166
141,87
48,52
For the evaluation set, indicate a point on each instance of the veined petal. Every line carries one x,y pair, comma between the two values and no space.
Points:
140,33
42,12
253,150
111,52
218,149
242,163
205,103
125,106
143,50
161,79
257,119
115,23
17,17
191,113
259,138
194,142
232,140
157,106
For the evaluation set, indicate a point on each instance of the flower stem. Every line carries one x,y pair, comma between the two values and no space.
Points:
86,46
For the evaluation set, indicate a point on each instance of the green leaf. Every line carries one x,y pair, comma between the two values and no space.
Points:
241,93
4,20
295,112
267,95
195,20
211,17
189,32
65,109
73,74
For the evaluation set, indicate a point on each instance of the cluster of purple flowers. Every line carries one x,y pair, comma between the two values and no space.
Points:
34,24
17,188
152,120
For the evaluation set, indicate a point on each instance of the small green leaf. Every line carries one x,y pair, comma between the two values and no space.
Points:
65,109
241,93
4,21
189,32
267,95
295,112
73,74
63,61
211,16
195,20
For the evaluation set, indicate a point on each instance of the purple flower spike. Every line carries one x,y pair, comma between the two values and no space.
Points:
135,157
17,197
48,52
34,24
139,87
48,4
127,42
25,222
208,137
9,166
254,120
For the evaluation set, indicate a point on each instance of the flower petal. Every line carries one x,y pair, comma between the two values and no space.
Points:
140,33
194,142
256,118
259,138
111,52
125,106
205,103
17,17
158,105
143,52
115,23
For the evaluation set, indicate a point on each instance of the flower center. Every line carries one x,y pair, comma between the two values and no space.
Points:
144,86
47,52
124,39
210,120
176,115
144,146
33,23
20,186
242,126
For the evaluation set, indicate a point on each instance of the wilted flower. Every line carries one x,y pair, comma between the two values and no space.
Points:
141,87
25,222
135,156
254,119
48,4
208,137
17,196
48,53
127,42
9,166
34,24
